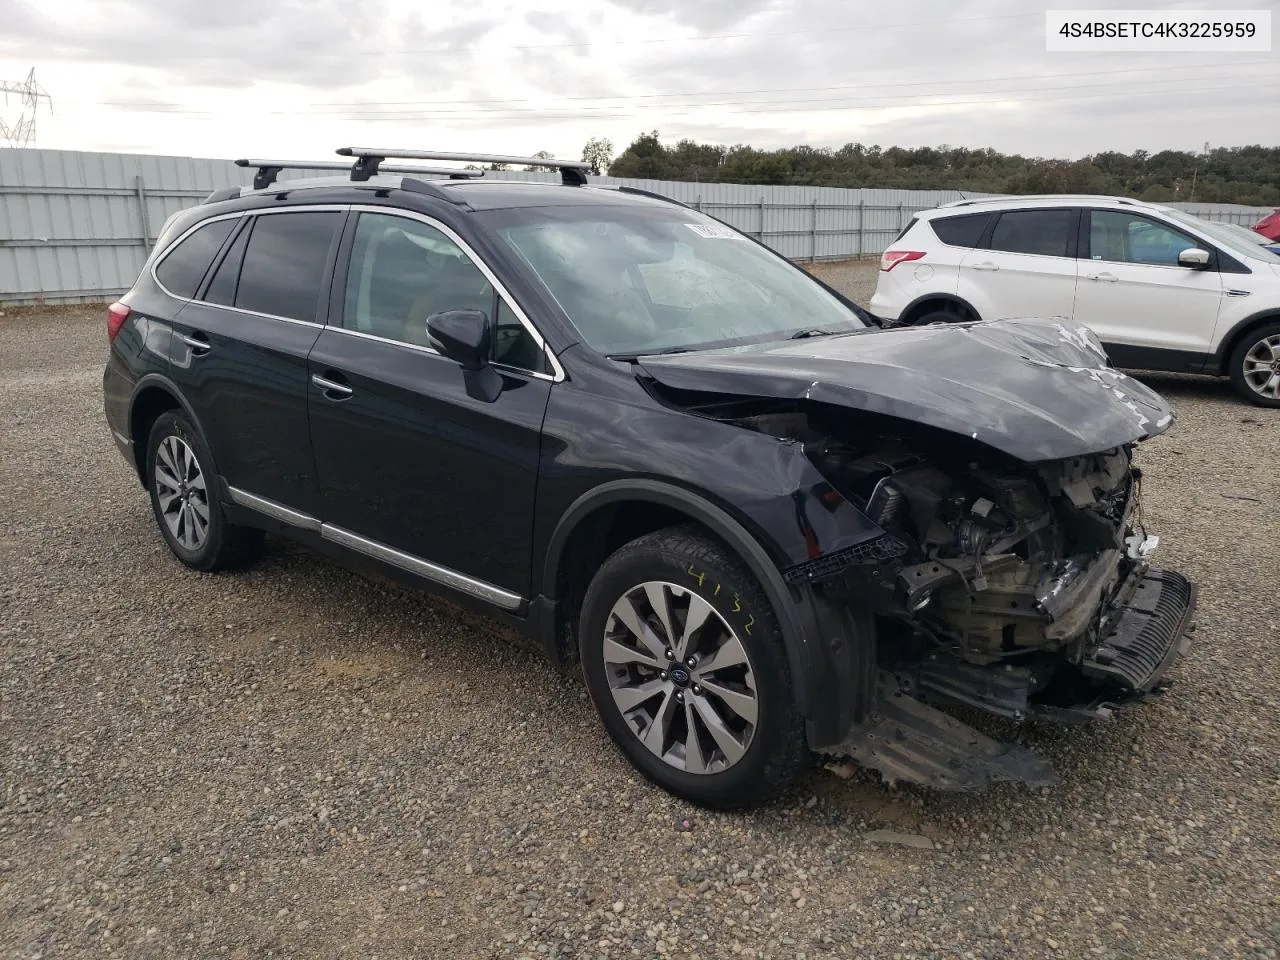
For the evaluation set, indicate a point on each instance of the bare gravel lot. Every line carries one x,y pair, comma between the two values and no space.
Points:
294,761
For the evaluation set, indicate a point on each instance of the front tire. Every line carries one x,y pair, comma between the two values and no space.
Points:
1255,366
185,502
685,665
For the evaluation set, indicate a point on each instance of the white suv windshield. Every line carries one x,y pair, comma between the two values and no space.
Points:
1228,238
636,280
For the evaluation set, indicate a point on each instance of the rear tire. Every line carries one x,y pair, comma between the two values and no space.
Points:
184,499
1254,366
943,316
713,720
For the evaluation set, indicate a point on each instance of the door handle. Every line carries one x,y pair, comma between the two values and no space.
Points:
1104,277
332,388
986,265
199,346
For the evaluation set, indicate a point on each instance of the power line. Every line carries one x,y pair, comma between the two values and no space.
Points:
22,132
778,106
160,106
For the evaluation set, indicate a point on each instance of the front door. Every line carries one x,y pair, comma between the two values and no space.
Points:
413,470
1136,297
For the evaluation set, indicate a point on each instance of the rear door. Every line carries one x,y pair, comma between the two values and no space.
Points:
1025,267
239,352
1136,297
415,470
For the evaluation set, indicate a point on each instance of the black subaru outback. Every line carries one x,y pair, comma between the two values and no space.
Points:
765,527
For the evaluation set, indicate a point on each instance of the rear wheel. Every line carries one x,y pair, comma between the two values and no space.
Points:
1255,366
185,502
941,315
685,665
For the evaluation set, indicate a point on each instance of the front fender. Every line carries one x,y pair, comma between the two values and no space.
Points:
830,649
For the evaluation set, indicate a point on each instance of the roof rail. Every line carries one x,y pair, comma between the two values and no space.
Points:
269,170
572,172
1005,198
656,196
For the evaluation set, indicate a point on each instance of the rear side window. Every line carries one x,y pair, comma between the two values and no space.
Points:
963,231
182,269
283,270
1045,233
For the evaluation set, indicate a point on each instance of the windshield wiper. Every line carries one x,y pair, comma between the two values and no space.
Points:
633,357
815,332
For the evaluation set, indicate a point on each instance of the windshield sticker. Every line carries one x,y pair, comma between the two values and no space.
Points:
714,231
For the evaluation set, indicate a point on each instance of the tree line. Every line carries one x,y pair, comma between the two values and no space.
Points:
1249,174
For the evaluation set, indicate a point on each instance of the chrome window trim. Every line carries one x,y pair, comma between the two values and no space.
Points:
433,352
503,599
418,347
434,572
558,374
277,511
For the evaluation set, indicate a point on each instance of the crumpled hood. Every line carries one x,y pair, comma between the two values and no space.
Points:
1034,389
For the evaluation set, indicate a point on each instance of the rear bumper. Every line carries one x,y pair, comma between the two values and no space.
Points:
885,306
116,391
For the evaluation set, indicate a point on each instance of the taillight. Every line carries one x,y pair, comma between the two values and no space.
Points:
117,314
891,258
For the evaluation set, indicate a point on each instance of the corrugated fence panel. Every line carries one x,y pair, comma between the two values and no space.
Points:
1226,212
79,226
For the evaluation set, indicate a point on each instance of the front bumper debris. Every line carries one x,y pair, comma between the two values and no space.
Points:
908,740
1147,635
907,737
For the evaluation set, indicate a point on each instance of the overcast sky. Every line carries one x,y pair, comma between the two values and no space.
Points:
291,78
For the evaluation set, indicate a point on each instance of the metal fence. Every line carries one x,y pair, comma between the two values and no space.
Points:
78,226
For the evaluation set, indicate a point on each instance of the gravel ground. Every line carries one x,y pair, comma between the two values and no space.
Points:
294,761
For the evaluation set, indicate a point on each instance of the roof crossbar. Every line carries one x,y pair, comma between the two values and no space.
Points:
269,170
368,159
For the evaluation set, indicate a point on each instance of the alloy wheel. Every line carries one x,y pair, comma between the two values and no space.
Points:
181,492
681,677
1261,367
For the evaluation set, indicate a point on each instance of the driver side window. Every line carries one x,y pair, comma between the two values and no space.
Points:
1121,237
403,270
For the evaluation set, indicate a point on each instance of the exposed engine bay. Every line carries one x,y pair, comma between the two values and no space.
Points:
1018,589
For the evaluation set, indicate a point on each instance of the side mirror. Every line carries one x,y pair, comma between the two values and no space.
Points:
1193,257
461,335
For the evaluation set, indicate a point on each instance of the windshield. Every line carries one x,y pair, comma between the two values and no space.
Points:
1230,239
635,279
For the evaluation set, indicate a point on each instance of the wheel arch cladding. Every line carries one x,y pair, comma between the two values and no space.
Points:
153,396
148,404
617,498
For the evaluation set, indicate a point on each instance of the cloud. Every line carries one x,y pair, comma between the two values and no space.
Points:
299,76
706,16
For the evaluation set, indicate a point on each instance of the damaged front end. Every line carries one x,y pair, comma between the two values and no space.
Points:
1014,589
998,543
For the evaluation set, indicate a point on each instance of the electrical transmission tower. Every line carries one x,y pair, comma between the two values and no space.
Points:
22,132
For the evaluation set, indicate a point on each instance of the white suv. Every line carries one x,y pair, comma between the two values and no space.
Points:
1163,290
